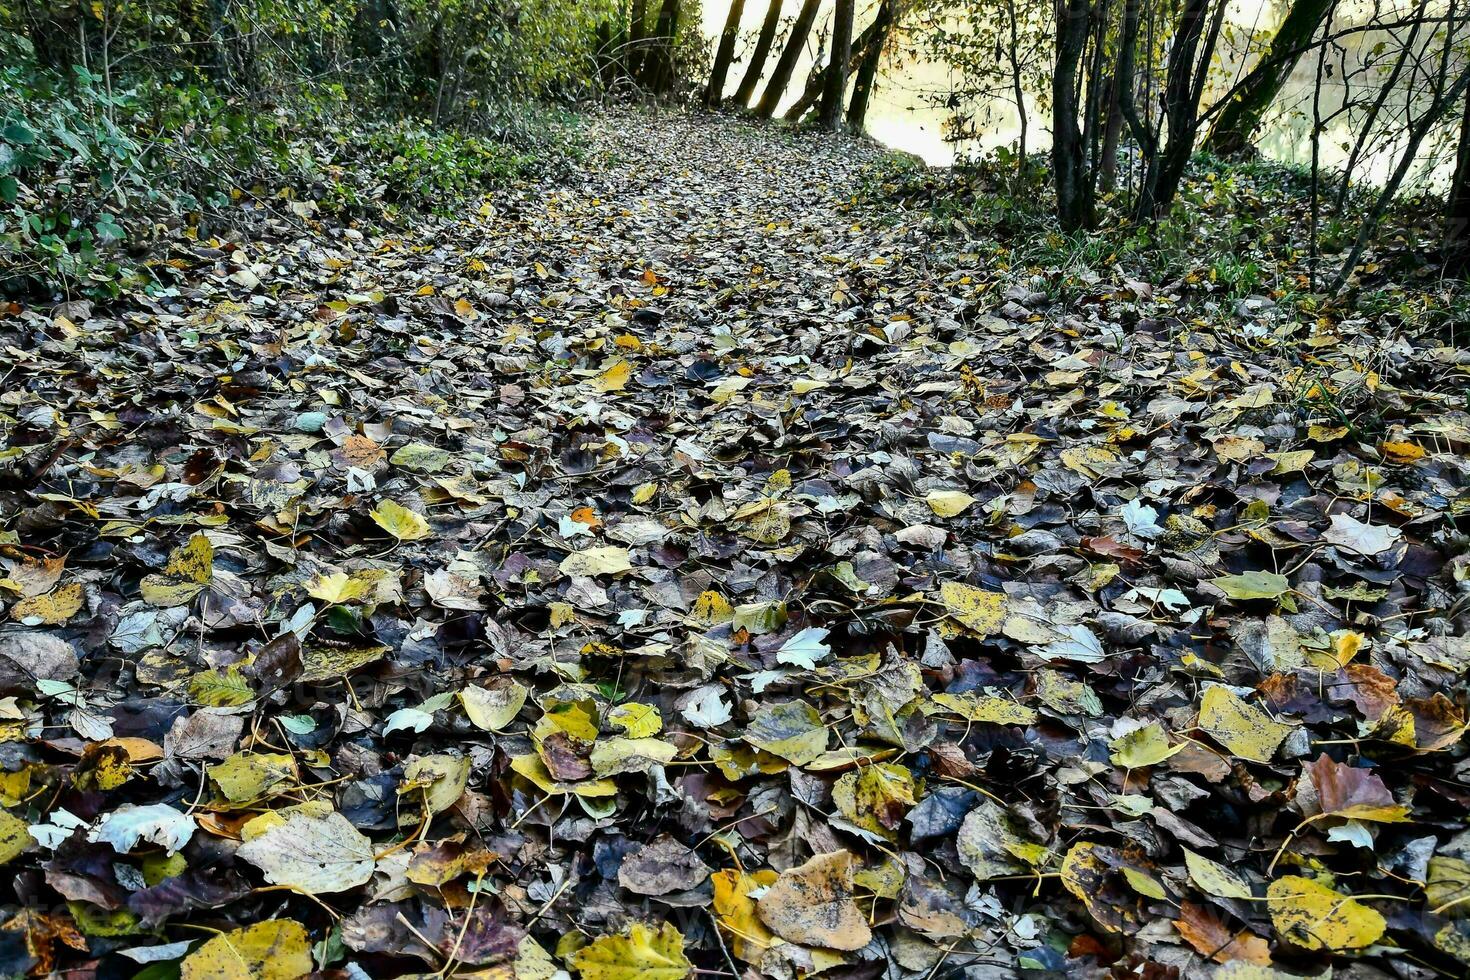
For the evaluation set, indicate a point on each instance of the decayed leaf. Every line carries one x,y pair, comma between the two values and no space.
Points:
1357,794
51,609
399,521
190,568
978,610
494,706
875,797
1244,729
812,904
1208,934
310,847
278,949
643,954
156,823
792,730
1313,916
609,560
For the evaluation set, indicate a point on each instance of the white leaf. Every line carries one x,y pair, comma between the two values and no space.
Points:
1141,519
156,823
707,710
413,718
805,648
1365,539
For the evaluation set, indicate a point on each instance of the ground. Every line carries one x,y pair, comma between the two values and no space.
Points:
696,539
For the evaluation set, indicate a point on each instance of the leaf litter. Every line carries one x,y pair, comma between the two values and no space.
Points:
690,567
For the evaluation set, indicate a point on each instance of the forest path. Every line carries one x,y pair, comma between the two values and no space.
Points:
681,498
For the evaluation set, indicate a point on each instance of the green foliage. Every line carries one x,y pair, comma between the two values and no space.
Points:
118,116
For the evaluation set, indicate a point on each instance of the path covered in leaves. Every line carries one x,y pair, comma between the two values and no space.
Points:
679,565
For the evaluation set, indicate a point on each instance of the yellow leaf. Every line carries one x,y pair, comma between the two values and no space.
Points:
493,708
1245,730
995,711
642,954
1214,878
875,798
609,560
193,562
948,503
981,611
812,905
51,609
737,911
15,837
636,720
614,378
399,521
339,587
711,609
1146,746
249,776
1402,452
277,949
1313,916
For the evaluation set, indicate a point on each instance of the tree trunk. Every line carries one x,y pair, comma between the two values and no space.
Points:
1413,139
830,115
660,66
1068,158
637,36
867,71
1107,178
786,64
715,90
1457,211
817,82
763,43
1190,53
1240,119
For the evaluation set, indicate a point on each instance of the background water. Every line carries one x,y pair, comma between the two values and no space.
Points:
907,109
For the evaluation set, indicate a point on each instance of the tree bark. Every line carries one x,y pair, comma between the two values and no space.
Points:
786,64
1067,151
637,35
763,43
1457,210
830,115
661,65
724,55
1241,118
867,71
817,82
1190,52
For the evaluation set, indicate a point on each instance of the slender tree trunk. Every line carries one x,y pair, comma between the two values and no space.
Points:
1365,128
660,66
1415,136
763,42
1240,119
1069,160
724,55
637,38
816,83
786,64
1018,89
1192,48
830,116
1457,210
867,72
1107,177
